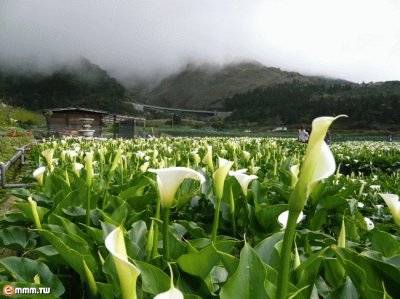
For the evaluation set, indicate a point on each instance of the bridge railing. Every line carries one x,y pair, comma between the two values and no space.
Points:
4,166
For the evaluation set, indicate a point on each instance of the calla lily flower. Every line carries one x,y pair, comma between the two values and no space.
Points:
369,223
48,155
392,201
127,272
169,180
342,235
172,293
283,218
144,166
220,175
77,168
196,159
294,174
208,159
243,179
35,214
89,168
318,164
246,156
38,175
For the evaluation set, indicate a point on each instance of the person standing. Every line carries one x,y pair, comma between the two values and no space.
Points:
303,135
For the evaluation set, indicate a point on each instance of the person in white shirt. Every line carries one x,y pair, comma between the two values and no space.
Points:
303,135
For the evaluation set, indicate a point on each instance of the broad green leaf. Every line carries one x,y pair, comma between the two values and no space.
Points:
27,210
267,215
347,290
385,243
154,280
72,252
137,237
200,263
230,262
388,269
248,280
17,238
366,279
106,290
267,251
24,270
334,272
308,271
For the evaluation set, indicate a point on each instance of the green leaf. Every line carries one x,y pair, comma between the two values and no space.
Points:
17,238
385,243
267,250
366,279
154,280
388,269
71,251
24,270
248,280
229,261
106,290
137,237
267,215
347,290
200,263
308,271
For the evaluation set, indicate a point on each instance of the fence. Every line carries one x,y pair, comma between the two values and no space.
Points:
20,155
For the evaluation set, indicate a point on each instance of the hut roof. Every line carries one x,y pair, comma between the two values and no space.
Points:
75,109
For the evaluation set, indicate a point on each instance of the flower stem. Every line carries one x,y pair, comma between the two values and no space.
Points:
166,234
284,267
88,207
216,221
156,229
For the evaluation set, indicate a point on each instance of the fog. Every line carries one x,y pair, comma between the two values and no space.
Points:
356,40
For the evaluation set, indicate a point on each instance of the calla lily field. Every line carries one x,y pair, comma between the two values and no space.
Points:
206,218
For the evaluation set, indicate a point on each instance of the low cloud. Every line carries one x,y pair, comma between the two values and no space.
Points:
354,40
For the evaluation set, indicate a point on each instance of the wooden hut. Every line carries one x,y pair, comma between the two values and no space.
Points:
68,121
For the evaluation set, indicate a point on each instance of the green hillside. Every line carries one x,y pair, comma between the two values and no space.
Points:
369,106
84,85
204,86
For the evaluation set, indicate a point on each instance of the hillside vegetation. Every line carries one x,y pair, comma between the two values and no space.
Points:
253,92
204,86
371,106
84,85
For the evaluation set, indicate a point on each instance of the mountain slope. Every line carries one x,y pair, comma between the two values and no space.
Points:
83,84
204,87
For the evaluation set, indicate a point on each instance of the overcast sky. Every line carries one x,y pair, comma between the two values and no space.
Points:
357,40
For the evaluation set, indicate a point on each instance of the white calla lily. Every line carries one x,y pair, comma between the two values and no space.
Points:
38,175
35,214
169,180
127,272
294,174
208,158
219,176
144,166
392,201
48,155
77,168
369,223
246,155
283,218
172,293
318,164
243,179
